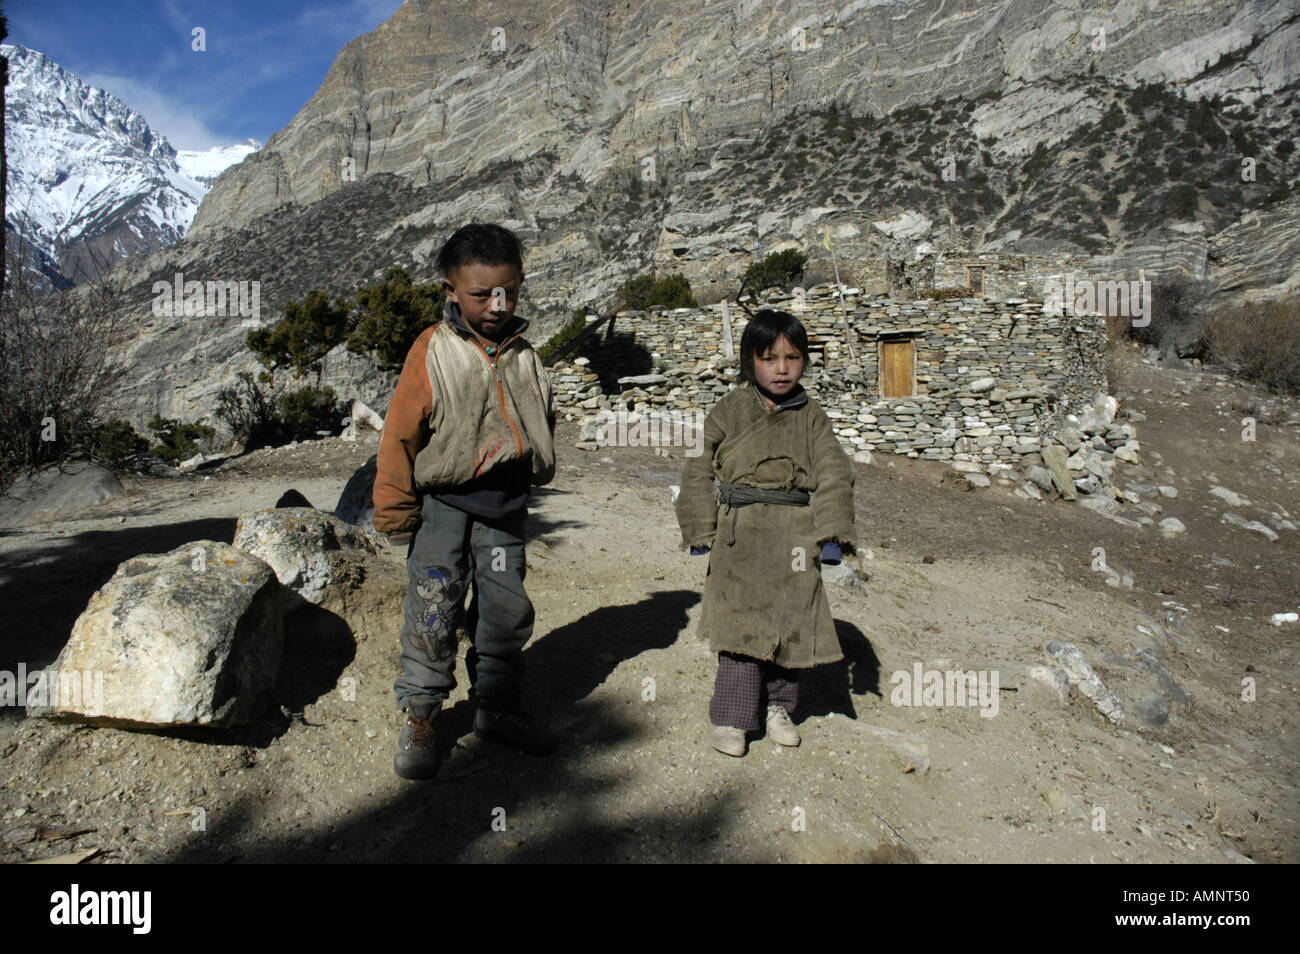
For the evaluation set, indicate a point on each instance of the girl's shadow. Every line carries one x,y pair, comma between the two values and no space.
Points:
831,688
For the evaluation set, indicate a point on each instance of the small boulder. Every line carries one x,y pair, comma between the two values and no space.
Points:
1231,498
190,637
1040,476
366,416
57,492
1054,457
1070,436
1082,676
1128,452
1253,525
303,547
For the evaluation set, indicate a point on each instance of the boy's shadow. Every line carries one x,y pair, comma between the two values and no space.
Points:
572,660
830,688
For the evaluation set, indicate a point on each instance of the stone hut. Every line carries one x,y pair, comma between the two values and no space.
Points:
958,379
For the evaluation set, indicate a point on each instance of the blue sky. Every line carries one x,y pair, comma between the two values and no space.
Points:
264,58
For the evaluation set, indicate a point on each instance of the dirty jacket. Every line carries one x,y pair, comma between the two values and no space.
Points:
763,594
458,413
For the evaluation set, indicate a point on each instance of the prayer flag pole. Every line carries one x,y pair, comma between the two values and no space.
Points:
844,315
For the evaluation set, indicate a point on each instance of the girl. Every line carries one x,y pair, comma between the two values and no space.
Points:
783,506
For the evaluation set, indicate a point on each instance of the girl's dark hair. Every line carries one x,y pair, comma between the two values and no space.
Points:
481,243
762,332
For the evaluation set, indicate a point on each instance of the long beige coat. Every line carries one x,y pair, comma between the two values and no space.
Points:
763,593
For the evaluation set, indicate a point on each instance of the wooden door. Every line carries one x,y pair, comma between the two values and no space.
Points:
897,368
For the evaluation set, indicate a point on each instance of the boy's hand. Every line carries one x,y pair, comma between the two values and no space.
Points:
401,539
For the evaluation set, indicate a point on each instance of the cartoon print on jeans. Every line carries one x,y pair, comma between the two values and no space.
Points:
441,595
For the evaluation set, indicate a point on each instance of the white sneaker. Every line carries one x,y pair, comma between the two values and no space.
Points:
780,729
728,740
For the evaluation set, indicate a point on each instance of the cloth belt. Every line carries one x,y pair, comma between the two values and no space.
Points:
735,496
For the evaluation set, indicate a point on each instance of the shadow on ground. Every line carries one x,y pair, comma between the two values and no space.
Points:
547,802
830,689
50,583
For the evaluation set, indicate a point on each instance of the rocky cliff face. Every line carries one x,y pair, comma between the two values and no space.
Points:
695,137
602,85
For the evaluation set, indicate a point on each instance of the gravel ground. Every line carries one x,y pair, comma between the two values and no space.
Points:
972,580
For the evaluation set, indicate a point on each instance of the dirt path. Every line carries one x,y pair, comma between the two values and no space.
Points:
617,669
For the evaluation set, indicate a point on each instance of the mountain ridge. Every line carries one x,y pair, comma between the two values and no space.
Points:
91,181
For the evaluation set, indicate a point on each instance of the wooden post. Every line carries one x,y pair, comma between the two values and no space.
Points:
728,348
844,315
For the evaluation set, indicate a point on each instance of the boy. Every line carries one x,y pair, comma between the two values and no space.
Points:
467,432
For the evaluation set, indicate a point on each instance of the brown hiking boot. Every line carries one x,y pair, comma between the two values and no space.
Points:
417,749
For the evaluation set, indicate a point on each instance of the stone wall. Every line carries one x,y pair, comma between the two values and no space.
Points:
992,377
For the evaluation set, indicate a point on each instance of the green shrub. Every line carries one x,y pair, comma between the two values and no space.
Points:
645,291
177,441
1040,161
1180,201
778,270
116,440
1202,123
308,410
1277,195
249,414
306,333
393,313
1113,120
577,321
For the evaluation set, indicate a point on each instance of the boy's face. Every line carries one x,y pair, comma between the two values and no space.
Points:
778,369
487,295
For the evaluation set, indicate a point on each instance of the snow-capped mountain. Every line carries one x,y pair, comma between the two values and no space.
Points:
204,167
89,181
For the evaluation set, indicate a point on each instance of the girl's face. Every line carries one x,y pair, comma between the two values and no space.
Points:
778,369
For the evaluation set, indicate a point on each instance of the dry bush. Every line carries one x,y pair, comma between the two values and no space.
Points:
1260,342
57,381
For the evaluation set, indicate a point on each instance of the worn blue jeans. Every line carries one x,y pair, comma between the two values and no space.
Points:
454,554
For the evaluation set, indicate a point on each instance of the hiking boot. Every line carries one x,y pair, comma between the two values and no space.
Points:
780,727
728,740
417,750
514,727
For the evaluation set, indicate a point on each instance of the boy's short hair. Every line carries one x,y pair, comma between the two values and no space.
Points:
763,331
483,244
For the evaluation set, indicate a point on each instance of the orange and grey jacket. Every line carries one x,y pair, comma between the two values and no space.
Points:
458,413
